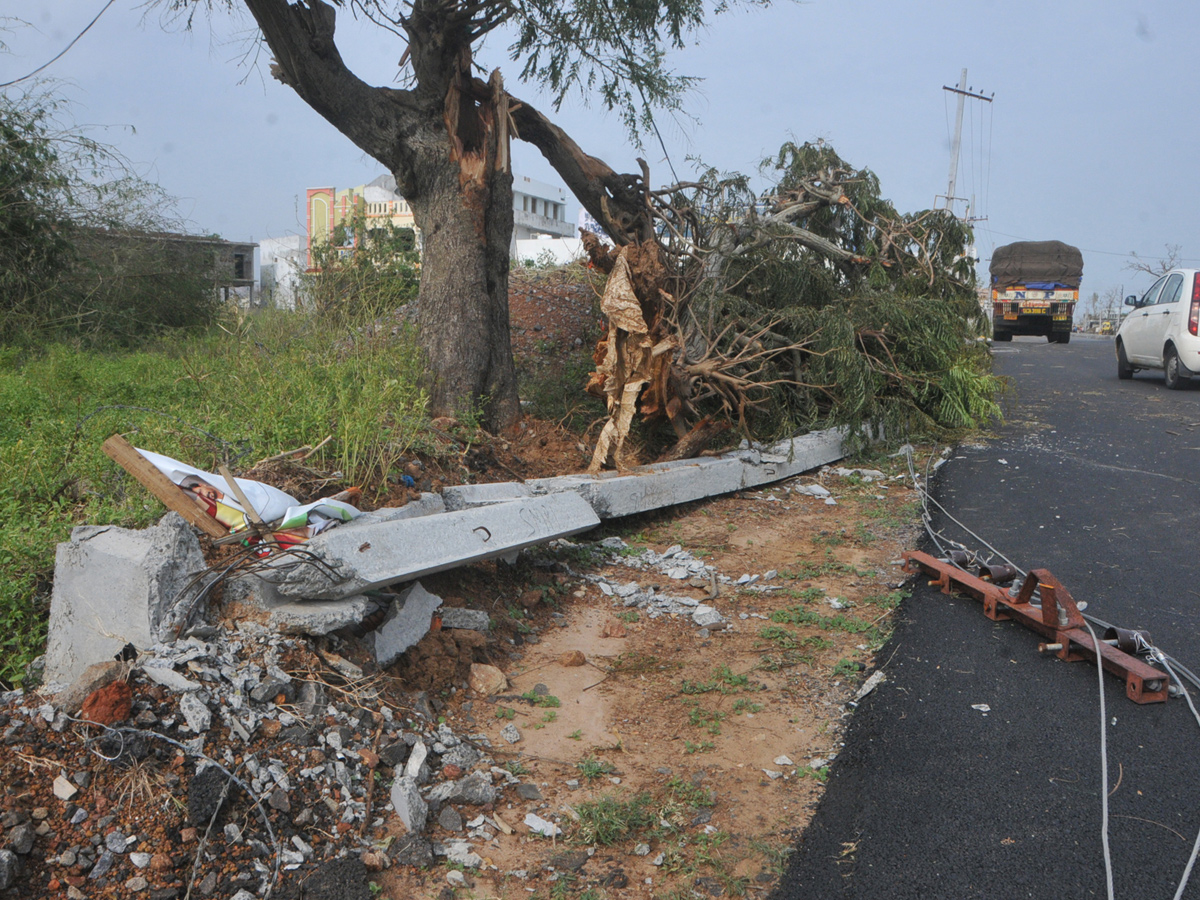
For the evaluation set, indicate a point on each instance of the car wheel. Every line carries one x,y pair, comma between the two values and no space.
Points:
1064,337
1124,369
1171,369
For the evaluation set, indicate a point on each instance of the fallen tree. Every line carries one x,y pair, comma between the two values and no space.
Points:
814,303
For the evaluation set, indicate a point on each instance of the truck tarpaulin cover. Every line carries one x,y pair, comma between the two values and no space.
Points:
1036,262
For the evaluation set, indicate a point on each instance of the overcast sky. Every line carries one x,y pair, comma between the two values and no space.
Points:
1091,139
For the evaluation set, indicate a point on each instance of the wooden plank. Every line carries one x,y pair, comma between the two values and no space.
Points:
257,525
125,455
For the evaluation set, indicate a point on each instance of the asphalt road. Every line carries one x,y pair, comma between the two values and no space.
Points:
1097,480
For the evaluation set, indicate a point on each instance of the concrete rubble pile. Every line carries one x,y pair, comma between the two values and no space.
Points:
303,752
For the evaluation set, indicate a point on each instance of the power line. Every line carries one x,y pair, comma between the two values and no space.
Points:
63,53
1020,237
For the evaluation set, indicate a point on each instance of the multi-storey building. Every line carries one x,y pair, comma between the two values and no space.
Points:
539,210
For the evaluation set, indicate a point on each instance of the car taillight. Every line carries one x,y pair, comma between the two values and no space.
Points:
1194,313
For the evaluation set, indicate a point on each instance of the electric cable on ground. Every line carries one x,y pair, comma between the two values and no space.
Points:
1144,646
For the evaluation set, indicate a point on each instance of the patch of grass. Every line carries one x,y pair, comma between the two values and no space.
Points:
700,747
724,680
690,793
807,570
783,638
887,601
576,735
592,768
830,538
846,668
222,397
611,818
821,774
506,712
802,615
544,700
628,616
789,659
742,705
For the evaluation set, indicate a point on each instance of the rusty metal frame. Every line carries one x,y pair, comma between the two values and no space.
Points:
1058,619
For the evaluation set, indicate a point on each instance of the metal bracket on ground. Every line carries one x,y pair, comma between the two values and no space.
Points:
1058,619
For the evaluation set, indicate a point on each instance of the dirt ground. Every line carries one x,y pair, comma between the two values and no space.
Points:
695,723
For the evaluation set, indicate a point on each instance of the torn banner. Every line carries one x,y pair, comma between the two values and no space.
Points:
291,522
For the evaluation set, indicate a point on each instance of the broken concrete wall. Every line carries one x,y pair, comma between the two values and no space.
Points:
114,586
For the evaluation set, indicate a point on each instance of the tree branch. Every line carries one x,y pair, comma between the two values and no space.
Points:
616,201
301,38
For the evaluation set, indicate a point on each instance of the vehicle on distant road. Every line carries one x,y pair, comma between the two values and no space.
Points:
1163,330
1035,286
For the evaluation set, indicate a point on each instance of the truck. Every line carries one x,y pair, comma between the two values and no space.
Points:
1035,286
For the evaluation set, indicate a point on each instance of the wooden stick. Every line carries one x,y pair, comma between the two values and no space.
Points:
125,455
257,525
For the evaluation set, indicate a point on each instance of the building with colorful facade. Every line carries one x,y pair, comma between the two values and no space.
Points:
539,210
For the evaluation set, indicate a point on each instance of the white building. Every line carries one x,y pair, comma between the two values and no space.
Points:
281,264
539,210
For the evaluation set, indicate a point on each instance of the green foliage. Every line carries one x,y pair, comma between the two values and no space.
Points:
546,700
82,253
363,271
615,49
860,315
802,615
845,668
723,680
229,397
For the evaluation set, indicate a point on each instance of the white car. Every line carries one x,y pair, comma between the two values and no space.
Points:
1161,331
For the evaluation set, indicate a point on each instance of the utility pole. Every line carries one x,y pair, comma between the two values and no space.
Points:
956,147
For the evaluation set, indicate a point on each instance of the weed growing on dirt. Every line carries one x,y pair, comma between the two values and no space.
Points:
506,712
629,616
845,668
609,818
690,747
723,681
802,615
808,570
690,793
821,774
546,700
592,768
887,601
708,719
